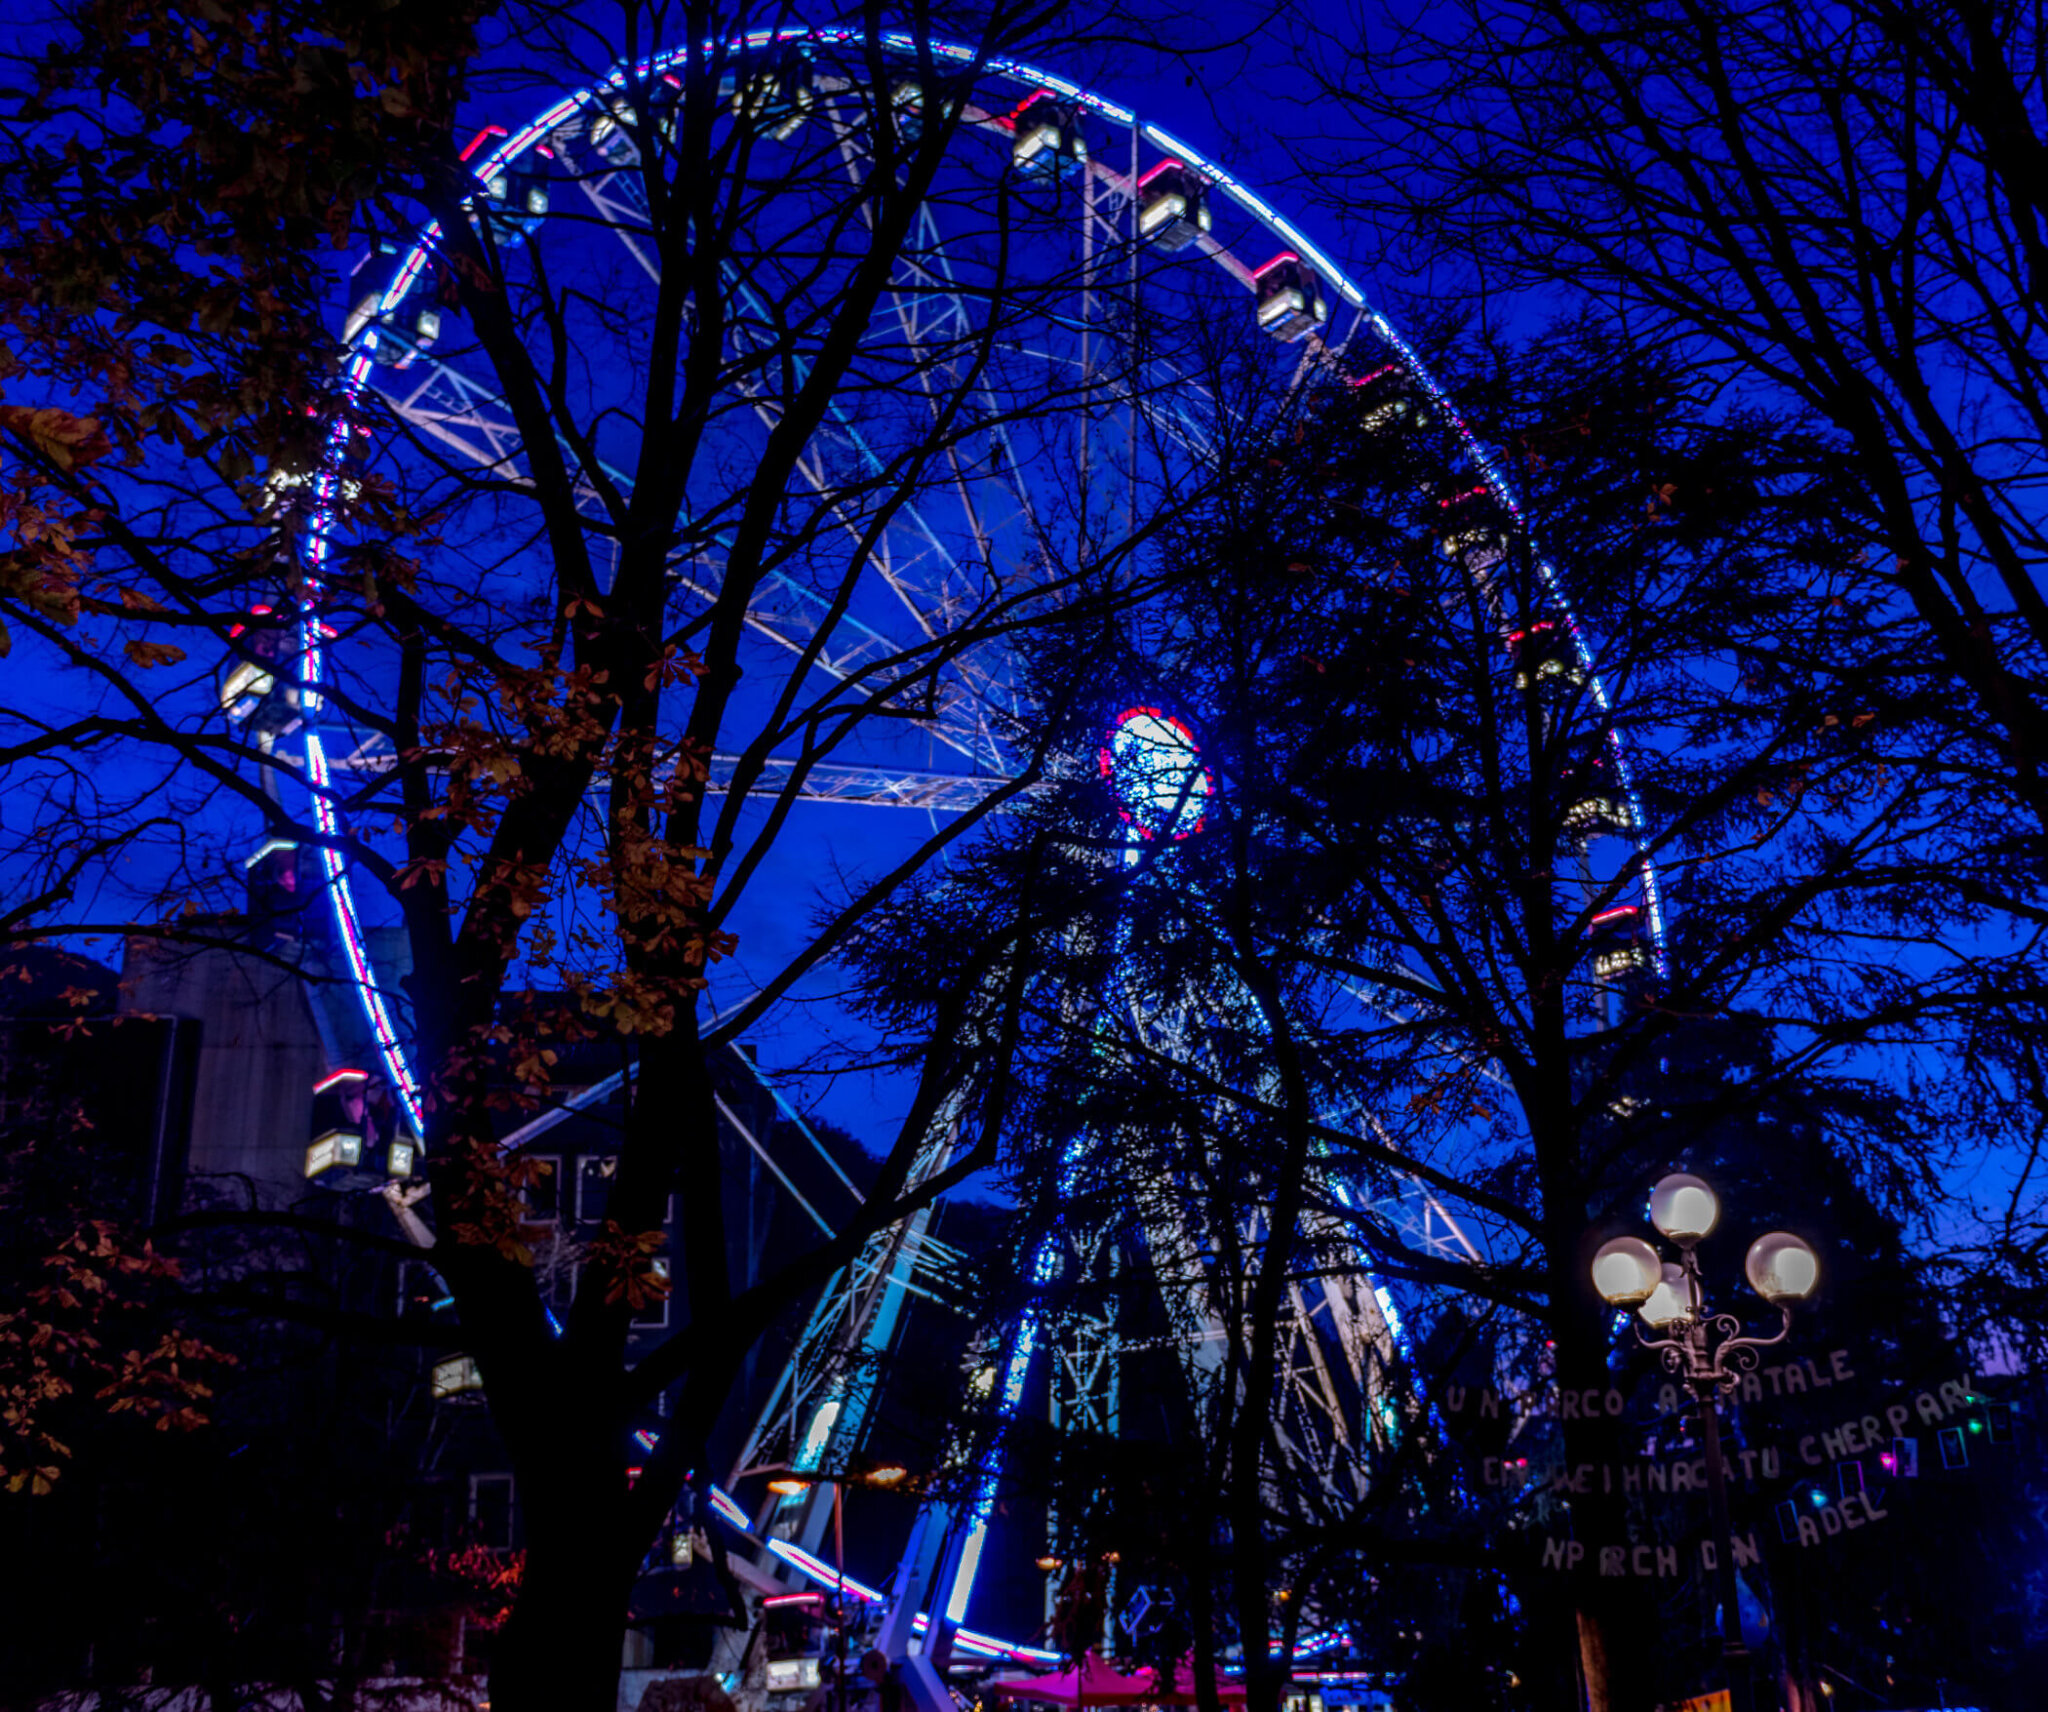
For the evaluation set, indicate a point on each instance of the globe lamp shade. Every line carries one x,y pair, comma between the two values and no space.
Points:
1668,1301
1684,1208
1627,1271
1782,1267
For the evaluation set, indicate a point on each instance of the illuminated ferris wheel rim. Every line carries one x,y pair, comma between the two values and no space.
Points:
514,144
1214,179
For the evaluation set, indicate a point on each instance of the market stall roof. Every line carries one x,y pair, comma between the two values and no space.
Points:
1096,1682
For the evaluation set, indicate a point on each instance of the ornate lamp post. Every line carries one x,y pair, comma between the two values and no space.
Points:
1709,1351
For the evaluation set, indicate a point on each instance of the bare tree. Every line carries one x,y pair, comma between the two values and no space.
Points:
1837,210
720,442
1387,991
1840,207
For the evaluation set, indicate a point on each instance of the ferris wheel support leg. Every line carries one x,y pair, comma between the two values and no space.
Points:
937,1534
953,1536
930,1562
915,1577
924,1685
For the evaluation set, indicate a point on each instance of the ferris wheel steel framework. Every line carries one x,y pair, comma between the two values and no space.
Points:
858,1313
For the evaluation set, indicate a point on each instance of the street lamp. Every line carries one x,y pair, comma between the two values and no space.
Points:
787,1483
1709,1351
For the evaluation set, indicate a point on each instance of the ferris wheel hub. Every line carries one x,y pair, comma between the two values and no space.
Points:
1154,765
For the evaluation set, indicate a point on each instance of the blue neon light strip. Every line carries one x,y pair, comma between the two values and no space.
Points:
390,1052
988,1646
1016,1370
729,1510
818,1569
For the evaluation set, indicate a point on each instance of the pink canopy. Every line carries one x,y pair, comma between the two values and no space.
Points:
1099,1683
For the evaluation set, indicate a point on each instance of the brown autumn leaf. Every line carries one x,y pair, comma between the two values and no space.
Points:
148,654
629,1263
57,435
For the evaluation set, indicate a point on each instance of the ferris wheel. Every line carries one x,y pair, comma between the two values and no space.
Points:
1082,312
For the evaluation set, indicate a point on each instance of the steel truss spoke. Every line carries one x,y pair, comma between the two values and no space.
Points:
862,783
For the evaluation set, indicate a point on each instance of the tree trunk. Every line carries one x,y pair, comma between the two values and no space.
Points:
1265,1678
1593,1667
561,1648
1616,1619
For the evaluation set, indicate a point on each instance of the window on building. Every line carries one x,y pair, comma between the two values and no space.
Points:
477,1639
655,1314
544,1193
490,1508
594,1175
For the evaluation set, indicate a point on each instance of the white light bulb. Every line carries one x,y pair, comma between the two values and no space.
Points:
1668,1302
1684,1208
1782,1267
1626,1271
